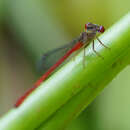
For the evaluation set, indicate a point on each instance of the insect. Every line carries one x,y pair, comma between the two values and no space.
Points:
82,41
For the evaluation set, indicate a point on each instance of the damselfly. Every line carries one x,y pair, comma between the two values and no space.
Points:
82,41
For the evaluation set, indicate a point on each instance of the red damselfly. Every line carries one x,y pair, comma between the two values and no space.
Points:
82,41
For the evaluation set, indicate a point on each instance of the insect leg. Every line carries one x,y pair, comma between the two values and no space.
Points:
96,51
102,43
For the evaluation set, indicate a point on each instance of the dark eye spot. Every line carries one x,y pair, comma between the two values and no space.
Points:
102,29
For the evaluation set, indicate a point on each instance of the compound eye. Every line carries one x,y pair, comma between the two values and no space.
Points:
101,29
85,26
88,26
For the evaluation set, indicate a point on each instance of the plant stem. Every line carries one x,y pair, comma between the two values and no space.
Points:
67,92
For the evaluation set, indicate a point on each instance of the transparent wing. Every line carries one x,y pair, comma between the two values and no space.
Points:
51,57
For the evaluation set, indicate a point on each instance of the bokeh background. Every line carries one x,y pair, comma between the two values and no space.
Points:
29,28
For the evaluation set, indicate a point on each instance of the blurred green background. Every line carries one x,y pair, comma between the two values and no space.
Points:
29,28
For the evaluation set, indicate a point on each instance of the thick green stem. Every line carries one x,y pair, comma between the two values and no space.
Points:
101,73
67,92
